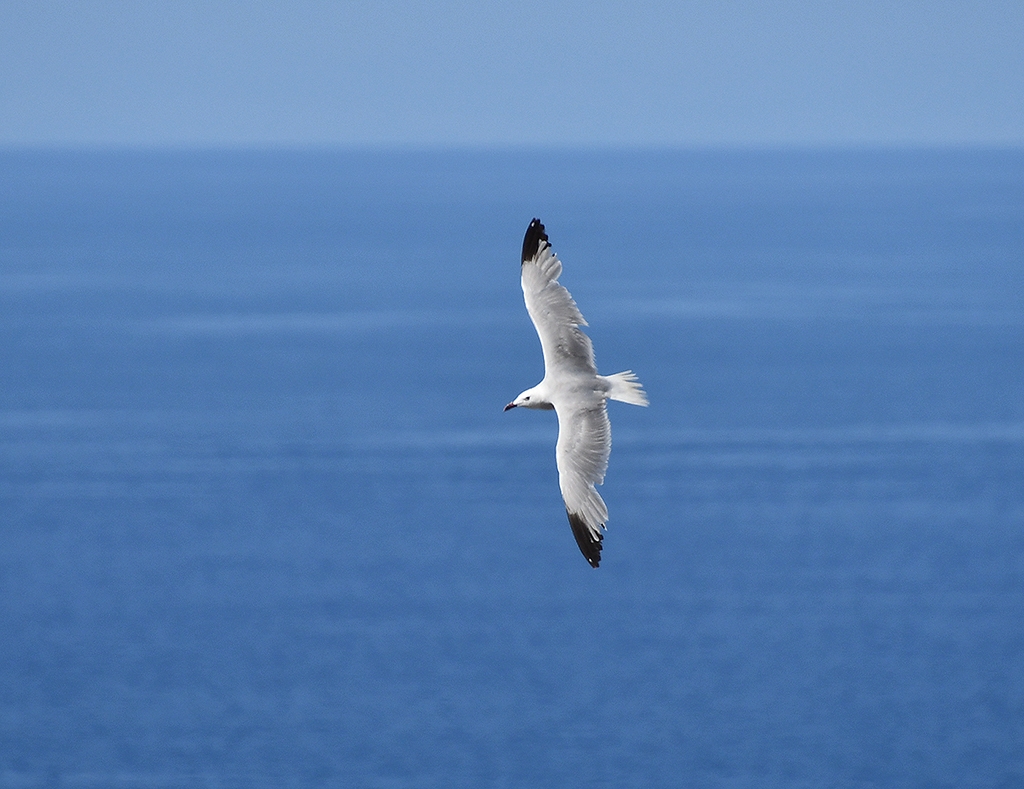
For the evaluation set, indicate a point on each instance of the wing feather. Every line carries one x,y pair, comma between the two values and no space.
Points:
552,309
584,445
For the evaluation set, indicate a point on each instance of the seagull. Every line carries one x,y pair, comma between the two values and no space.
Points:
574,389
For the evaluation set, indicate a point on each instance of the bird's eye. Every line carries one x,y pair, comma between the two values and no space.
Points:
526,398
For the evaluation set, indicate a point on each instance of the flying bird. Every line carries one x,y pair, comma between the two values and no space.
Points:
574,389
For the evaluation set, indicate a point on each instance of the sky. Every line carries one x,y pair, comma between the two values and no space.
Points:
432,73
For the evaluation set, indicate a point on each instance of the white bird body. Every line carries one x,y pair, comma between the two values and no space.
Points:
574,389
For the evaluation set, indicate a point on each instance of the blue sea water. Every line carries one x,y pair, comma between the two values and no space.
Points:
264,522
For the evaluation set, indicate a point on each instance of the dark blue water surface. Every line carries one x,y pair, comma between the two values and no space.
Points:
264,522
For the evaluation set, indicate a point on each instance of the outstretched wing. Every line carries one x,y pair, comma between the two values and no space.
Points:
584,444
552,310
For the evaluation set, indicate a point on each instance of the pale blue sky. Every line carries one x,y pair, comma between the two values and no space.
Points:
553,73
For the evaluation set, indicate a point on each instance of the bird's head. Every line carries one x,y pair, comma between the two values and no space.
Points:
531,398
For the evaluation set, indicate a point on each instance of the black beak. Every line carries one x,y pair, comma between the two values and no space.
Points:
510,405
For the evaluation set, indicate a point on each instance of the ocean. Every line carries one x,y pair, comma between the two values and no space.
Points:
265,524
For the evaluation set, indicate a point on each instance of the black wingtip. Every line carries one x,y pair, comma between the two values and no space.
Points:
589,546
535,236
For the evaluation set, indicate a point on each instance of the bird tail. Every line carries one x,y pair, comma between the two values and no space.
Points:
626,388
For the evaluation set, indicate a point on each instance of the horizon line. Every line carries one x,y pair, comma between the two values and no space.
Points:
512,148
